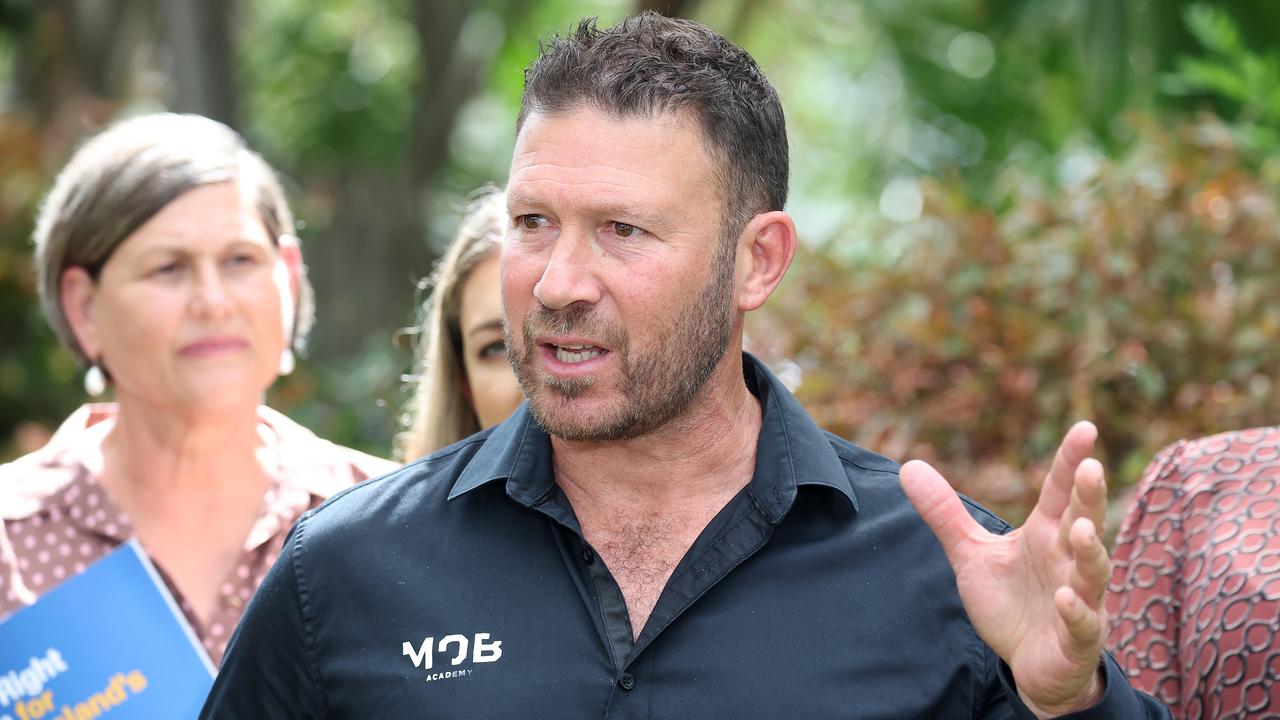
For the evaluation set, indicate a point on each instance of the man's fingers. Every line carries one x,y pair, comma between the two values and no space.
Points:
1088,500
1090,566
1090,493
1083,624
1076,445
940,507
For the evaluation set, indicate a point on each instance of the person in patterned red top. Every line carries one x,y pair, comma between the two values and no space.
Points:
1194,597
166,263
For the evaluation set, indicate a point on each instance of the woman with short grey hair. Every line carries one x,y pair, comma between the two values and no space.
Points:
167,264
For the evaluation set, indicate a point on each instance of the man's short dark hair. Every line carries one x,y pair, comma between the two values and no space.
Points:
650,64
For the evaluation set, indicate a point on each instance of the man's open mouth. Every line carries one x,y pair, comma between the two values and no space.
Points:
576,353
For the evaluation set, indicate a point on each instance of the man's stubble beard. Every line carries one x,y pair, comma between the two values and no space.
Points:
659,384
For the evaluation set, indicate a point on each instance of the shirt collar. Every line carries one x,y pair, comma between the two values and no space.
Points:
309,469
792,451
519,451
32,482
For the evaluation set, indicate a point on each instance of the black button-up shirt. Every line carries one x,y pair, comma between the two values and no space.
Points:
461,587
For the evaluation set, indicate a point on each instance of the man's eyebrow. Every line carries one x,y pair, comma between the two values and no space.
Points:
624,212
515,199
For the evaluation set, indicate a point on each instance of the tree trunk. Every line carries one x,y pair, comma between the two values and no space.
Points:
73,55
198,41
365,271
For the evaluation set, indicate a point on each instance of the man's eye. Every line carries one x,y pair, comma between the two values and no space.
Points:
495,349
530,222
625,230
169,268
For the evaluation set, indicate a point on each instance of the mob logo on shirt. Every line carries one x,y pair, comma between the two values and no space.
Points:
454,648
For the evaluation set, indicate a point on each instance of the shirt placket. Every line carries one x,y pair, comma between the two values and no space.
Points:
88,508
284,501
91,509
736,534
733,536
233,596
596,587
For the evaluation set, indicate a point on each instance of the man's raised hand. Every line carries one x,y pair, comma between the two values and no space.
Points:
1035,594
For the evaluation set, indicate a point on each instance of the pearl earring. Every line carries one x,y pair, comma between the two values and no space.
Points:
95,383
286,362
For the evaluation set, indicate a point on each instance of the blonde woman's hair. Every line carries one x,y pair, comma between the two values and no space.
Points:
439,413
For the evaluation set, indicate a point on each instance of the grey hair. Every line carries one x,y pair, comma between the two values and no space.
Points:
439,413
123,176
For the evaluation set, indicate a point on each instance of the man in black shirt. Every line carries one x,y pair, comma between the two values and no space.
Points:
661,531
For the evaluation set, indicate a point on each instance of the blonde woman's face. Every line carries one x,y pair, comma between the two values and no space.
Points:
494,391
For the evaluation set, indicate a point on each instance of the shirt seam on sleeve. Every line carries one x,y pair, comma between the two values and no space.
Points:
983,662
308,631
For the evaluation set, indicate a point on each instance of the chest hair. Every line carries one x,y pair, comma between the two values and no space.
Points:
641,552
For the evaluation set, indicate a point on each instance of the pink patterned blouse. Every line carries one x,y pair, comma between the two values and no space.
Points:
1194,596
55,518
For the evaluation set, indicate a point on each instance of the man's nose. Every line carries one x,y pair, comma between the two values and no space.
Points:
570,273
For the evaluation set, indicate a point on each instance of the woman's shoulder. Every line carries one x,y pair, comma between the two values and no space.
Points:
362,465
1246,442
27,482
324,467
1199,464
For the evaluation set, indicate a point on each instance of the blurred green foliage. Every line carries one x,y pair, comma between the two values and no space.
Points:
1245,80
1136,293
324,83
37,377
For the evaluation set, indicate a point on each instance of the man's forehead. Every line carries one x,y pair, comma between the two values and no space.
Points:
586,127
614,155
659,116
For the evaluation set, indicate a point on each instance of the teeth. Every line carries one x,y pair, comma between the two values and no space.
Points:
564,354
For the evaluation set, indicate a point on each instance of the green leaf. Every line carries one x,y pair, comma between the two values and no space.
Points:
1214,28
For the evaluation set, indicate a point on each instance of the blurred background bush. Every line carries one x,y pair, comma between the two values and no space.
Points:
1014,213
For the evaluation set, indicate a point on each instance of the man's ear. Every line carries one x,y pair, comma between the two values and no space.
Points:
765,250
76,291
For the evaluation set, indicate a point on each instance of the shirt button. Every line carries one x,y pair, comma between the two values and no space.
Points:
588,556
234,601
626,681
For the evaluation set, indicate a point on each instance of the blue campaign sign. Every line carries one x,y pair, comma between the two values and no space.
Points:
109,641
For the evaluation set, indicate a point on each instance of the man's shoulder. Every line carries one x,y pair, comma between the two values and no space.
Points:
378,506
861,459
875,477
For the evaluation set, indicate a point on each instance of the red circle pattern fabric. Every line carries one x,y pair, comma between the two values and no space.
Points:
1194,597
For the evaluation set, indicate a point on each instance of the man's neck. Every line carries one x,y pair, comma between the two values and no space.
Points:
709,452
642,503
